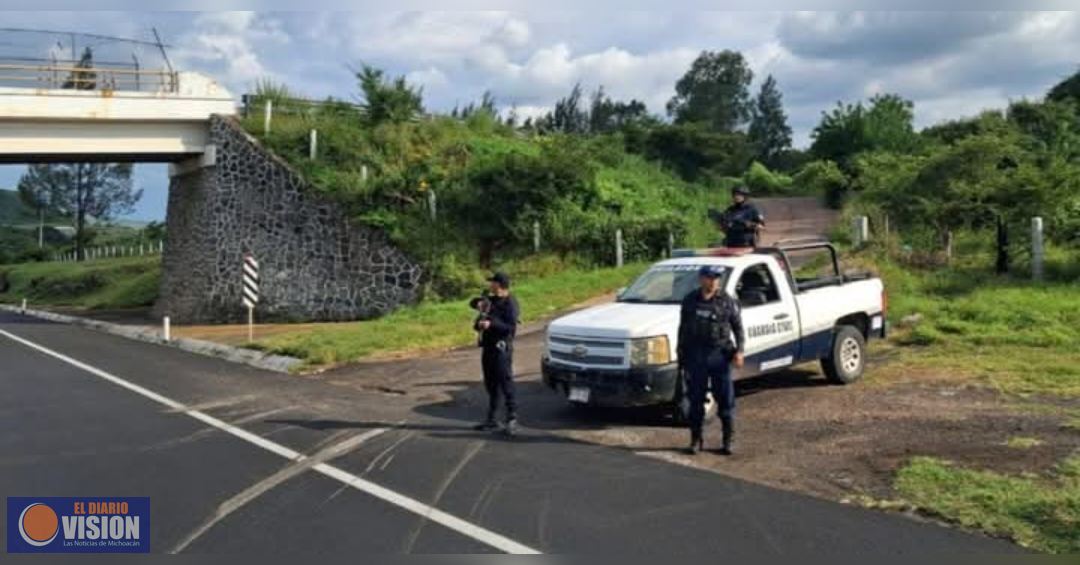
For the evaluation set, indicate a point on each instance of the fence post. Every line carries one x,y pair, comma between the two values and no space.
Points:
861,228
267,115
618,248
1037,248
536,237
313,144
433,205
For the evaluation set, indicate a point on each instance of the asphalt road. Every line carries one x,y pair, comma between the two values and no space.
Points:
217,449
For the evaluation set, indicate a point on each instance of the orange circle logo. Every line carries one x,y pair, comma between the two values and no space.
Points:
38,524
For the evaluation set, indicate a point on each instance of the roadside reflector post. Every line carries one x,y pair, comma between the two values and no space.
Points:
670,244
313,144
536,237
250,292
267,115
1037,248
618,248
166,329
23,305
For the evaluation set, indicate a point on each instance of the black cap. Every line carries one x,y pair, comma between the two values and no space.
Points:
501,278
741,190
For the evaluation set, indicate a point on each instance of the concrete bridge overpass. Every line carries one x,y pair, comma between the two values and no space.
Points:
165,120
228,196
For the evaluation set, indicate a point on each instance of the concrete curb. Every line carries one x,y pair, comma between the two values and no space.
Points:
257,359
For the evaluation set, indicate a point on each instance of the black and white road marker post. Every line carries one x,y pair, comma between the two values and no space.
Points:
251,291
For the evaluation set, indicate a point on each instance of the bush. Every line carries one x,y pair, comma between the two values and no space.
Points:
762,181
67,286
826,179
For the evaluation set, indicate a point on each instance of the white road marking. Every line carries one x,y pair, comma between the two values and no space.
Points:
427,511
258,489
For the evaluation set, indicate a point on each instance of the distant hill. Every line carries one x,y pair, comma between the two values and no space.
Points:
13,211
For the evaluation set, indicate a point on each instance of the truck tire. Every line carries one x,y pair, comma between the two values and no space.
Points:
847,358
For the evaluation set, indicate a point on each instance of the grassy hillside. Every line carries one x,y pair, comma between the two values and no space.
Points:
108,283
492,183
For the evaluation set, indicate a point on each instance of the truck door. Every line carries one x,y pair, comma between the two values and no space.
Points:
769,319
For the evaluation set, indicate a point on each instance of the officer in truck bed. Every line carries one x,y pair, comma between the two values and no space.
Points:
711,340
741,221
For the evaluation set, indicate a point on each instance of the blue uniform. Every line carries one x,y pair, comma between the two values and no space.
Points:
497,357
710,333
740,223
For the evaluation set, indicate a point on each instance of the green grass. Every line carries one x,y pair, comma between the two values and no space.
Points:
1041,512
107,283
1008,332
435,326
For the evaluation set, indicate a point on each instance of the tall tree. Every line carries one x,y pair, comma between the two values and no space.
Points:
607,115
83,191
388,101
715,91
887,124
1067,90
567,117
769,129
39,197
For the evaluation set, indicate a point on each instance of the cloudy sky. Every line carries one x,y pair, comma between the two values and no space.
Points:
950,64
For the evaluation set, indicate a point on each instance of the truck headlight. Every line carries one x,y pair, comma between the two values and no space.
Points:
650,351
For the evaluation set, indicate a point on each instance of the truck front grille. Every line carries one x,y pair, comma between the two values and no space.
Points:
586,360
584,352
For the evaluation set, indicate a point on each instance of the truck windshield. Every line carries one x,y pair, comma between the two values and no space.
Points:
666,284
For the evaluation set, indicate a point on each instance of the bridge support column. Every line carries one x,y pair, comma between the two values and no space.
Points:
314,264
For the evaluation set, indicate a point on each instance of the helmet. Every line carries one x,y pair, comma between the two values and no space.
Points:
741,190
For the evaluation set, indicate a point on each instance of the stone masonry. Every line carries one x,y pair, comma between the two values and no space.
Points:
314,264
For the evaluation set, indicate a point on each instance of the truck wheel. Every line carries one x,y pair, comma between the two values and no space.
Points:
847,358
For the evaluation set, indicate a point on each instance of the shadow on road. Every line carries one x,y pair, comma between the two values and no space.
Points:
545,409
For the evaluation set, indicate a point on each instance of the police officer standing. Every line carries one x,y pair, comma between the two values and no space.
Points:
742,220
711,340
497,329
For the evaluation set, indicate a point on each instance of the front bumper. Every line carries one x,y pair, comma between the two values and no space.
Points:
646,386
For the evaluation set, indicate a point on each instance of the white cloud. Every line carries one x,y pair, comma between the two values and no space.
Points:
550,72
229,43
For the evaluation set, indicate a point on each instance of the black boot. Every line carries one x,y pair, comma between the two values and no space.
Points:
488,424
728,425
696,443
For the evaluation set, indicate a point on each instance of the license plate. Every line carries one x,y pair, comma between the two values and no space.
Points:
579,394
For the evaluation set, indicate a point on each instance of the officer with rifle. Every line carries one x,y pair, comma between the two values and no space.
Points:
742,221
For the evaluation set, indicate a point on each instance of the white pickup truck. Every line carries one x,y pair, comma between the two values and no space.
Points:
623,353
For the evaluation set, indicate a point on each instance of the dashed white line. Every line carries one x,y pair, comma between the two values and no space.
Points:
404,502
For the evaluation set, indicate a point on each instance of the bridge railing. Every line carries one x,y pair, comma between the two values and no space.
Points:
104,78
